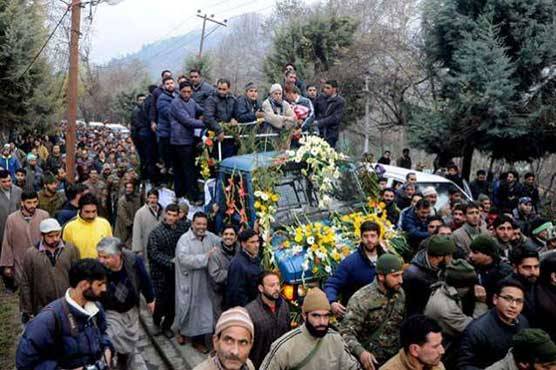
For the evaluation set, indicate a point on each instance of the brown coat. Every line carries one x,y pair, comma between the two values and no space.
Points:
41,283
402,362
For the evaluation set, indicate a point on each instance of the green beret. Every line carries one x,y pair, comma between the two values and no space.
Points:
533,345
460,274
388,264
485,244
439,245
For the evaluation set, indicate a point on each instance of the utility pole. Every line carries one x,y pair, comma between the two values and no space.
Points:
206,18
72,88
367,115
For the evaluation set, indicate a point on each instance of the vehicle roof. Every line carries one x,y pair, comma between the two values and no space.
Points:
399,174
249,162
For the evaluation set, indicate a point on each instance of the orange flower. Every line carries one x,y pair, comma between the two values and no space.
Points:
209,142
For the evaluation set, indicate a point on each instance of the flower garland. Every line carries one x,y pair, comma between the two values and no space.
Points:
205,160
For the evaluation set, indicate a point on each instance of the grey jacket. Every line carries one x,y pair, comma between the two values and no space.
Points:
8,206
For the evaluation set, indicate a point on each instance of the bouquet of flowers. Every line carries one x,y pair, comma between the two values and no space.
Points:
205,160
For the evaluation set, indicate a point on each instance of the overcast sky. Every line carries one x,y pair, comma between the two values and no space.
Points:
124,28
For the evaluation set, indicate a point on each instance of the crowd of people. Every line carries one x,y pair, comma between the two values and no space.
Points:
476,291
168,124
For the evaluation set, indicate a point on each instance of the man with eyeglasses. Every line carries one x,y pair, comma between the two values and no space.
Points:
488,338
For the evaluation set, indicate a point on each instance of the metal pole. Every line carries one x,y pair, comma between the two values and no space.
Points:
203,36
72,88
367,118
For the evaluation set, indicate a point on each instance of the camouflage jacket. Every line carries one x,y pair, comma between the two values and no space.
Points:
372,322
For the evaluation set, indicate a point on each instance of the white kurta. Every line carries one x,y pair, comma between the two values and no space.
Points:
195,297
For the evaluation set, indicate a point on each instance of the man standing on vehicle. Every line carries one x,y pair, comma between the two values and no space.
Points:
330,120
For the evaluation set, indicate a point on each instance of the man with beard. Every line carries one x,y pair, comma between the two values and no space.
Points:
33,173
71,332
127,280
270,315
479,185
21,232
421,340
509,192
488,338
20,178
9,162
10,200
374,313
531,190
330,119
425,270
219,264
128,204
54,160
278,113
524,214
201,89
145,220
313,345
356,270
414,223
232,341
163,107
245,269
50,199
430,194
545,295
503,231
219,110
46,265
99,189
195,297
470,229
388,196
87,229
248,107
161,250
71,207
526,269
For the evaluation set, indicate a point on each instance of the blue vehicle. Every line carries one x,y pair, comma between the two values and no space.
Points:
297,203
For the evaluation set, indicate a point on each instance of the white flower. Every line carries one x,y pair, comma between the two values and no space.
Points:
328,269
305,265
258,193
311,240
264,196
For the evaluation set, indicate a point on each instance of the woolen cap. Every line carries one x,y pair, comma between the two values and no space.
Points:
440,245
534,344
315,300
429,190
250,85
237,316
49,225
388,264
482,197
275,87
460,274
485,244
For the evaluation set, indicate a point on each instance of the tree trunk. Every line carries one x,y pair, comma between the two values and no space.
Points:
467,161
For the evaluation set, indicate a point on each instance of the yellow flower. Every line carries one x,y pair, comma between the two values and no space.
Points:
314,247
346,251
286,244
315,269
336,256
298,238
257,205
275,198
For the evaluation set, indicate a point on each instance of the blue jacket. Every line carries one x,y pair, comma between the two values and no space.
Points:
416,229
245,109
183,121
163,104
48,343
353,273
10,164
243,275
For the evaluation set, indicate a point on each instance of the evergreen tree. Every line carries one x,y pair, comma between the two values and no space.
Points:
491,62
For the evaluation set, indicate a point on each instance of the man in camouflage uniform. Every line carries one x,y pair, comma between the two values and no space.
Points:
374,314
98,188
113,184
50,199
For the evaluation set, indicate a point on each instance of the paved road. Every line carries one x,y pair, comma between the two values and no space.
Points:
149,358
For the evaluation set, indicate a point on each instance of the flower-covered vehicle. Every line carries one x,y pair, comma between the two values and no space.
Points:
308,204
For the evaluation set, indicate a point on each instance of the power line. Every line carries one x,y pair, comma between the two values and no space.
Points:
46,42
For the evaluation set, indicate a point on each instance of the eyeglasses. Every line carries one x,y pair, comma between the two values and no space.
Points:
510,299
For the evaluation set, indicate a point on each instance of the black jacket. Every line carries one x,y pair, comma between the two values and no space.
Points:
489,277
153,113
478,187
487,340
331,118
530,306
417,280
245,109
218,109
140,124
243,274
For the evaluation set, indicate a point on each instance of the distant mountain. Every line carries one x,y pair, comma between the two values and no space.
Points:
171,53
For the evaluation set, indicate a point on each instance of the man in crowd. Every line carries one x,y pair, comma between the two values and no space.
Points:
479,185
143,137
20,178
314,344
87,229
71,207
446,304
163,106
145,220
355,271
201,89
404,196
374,314
153,113
532,349
33,173
219,264
21,232
422,348
425,270
270,314
545,296
405,160
127,280
385,159
248,108
531,190
185,117
71,333
453,175
524,214
244,271
540,229
54,160
503,231
9,162
195,300
97,187
232,341
45,272
488,338
485,257
50,199
128,204
161,252
485,204
526,269
330,120
388,195
10,200
219,109
430,194
278,113
302,107
415,223
470,229
509,192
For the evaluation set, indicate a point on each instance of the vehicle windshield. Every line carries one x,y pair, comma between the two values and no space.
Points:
443,190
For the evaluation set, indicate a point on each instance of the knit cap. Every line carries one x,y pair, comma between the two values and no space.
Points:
441,246
275,87
485,244
533,344
237,316
315,300
429,190
460,274
388,264
482,197
250,85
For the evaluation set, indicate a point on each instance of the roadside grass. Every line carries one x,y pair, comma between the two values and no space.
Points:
10,327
